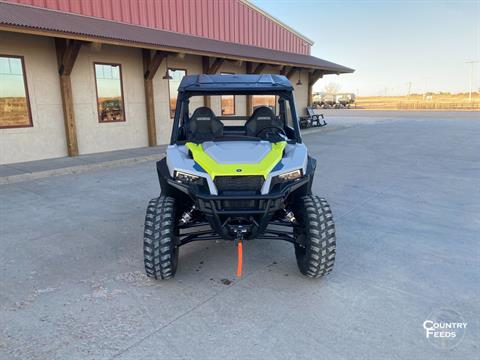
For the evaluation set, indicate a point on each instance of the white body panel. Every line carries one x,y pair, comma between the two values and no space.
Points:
231,152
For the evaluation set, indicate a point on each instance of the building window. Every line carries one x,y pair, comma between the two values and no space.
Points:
264,100
173,84
14,103
108,78
228,102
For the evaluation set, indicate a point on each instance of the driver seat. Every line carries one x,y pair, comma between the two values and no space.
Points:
261,118
203,125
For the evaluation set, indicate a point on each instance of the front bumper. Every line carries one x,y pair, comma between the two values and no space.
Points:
254,211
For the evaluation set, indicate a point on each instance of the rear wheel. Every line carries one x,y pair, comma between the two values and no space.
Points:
160,250
315,250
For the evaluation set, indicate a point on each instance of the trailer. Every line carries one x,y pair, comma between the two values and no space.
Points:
333,101
345,100
324,100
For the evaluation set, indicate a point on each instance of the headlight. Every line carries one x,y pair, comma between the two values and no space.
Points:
186,178
291,175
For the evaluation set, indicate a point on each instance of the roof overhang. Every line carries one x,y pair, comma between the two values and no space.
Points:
52,23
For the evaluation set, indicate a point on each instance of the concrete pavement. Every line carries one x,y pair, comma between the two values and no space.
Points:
405,192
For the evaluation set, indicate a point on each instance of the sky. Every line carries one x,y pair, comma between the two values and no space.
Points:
389,43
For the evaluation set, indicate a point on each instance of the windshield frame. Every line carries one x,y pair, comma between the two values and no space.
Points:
183,100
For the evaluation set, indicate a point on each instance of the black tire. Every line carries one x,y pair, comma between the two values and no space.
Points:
315,251
160,251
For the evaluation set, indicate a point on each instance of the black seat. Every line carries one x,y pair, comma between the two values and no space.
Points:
262,118
203,125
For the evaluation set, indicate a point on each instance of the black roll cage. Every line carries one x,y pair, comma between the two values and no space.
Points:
183,100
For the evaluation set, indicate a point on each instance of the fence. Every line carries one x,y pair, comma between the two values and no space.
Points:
420,105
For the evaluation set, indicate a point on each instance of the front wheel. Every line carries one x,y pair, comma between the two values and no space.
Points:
160,250
315,249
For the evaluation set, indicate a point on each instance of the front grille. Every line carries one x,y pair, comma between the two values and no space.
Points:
239,204
239,183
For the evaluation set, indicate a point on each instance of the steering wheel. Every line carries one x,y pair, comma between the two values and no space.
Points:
270,127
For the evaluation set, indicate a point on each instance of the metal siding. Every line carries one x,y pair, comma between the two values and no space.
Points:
274,37
226,20
270,27
257,35
267,28
86,7
264,30
198,23
142,12
172,14
223,25
157,19
237,22
52,4
249,27
241,22
117,11
180,17
216,23
134,15
51,23
231,22
75,6
281,36
187,18
210,15
124,11
285,40
150,14
165,12
96,9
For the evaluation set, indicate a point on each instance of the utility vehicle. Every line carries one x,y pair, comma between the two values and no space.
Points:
237,178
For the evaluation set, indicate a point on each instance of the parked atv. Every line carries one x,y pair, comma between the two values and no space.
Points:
237,182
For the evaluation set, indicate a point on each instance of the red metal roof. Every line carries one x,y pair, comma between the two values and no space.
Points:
235,21
56,23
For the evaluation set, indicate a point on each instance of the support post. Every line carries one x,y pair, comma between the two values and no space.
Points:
213,69
249,106
291,72
284,70
253,70
149,103
259,68
67,52
210,70
205,67
312,79
150,67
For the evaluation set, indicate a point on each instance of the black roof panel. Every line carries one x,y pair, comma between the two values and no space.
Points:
235,82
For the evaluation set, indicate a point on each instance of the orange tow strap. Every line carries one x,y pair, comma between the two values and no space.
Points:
239,259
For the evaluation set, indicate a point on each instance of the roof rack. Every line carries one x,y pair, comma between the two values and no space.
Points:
235,82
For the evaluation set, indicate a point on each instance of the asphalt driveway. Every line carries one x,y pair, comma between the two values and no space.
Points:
405,192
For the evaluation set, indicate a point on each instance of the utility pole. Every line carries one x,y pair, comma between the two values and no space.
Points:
409,88
472,64
426,87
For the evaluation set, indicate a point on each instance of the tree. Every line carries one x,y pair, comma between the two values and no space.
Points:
332,88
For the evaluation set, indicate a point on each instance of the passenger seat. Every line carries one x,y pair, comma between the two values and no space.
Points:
262,117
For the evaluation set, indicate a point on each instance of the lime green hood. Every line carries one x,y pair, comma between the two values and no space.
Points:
214,168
